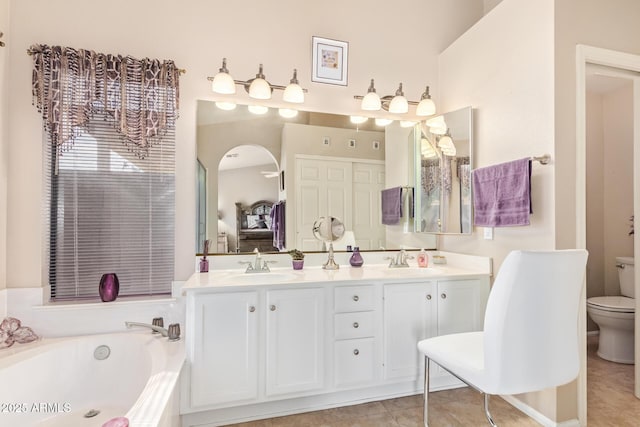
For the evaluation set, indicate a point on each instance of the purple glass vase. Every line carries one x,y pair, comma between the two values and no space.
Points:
356,259
204,265
109,287
298,264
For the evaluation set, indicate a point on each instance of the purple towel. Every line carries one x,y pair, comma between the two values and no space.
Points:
502,194
278,224
391,205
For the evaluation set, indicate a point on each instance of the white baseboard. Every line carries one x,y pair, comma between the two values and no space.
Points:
537,416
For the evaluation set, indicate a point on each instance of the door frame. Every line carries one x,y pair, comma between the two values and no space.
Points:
624,61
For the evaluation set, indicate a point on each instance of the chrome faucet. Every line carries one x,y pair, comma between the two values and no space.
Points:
258,265
173,333
400,261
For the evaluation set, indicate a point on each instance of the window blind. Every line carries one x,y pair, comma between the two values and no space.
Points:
109,211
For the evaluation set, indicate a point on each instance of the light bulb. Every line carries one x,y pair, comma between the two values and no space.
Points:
383,122
257,109
225,105
260,88
399,104
371,101
426,106
358,119
222,82
287,113
293,92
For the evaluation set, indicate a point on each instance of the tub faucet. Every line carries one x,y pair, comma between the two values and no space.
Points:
173,333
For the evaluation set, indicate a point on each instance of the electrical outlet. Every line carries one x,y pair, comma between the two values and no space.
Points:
376,145
488,233
326,140
352,143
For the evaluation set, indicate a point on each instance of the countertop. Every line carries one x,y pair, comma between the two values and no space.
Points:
458,266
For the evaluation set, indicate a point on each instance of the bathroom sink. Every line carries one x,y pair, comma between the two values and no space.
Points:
255,278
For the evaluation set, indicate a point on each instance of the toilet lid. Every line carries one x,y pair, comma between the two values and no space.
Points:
614,303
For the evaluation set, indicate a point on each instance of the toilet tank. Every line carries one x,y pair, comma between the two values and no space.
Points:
626,276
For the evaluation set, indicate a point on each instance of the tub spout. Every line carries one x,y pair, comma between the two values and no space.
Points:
160,330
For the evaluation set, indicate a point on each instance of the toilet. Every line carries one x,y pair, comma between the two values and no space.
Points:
615,316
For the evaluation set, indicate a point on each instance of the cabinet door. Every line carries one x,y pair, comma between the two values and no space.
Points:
409,316
225,354
461,305
295,340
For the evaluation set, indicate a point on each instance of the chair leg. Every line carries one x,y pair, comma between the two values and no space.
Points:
425,414
486,411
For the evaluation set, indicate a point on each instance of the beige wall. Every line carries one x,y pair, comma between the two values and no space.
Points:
617,118
595,196
197,34
508,80
4,139
588,22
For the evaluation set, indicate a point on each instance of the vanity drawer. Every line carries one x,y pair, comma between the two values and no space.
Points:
354,298
353,325
354,362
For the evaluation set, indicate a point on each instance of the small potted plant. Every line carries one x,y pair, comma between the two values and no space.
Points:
297,257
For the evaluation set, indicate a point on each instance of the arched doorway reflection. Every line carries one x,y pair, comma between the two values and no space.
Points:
247,174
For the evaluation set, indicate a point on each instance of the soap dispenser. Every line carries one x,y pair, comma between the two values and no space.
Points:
423,259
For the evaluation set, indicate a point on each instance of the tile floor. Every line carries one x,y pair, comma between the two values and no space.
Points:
610,404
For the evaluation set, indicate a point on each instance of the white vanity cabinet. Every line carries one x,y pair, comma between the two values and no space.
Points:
410,315
224,365
294,340
417,310
316,339
356,336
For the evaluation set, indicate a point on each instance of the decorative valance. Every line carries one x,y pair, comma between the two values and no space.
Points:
70,85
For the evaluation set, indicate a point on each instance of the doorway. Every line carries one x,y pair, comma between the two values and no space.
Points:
613,67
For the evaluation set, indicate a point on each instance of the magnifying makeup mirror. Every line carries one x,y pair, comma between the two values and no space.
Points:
328,229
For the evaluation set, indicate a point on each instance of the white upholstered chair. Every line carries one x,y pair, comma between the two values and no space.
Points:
530,337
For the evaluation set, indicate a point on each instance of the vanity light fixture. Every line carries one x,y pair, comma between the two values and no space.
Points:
396,104
258,87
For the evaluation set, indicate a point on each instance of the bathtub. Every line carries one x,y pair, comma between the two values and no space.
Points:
66,382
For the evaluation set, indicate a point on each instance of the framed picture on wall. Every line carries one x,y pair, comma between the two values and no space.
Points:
330,61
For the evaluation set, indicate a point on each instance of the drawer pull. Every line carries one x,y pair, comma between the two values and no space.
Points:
356,325
356,352
356,298
429,296
272,308
443,296
252,309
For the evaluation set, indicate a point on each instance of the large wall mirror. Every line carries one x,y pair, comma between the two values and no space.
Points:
444,158
301,168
